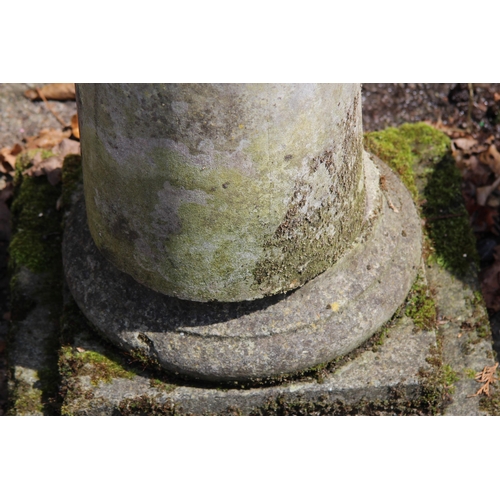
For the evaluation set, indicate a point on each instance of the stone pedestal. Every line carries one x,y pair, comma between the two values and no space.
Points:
416,363
256,198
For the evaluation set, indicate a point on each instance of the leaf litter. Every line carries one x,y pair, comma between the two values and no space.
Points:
46,151
477,155
53,91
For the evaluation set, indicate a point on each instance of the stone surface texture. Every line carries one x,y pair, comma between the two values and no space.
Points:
326,318
224,192
33,345
466,336
373,375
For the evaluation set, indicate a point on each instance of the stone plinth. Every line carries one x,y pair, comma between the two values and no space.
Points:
412,365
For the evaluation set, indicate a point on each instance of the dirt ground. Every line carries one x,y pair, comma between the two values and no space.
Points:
474,108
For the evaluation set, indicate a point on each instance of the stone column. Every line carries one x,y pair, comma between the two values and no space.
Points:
222,192
253,203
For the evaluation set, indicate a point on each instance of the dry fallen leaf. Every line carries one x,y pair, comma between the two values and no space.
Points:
75,127
67,147
483,192
53,91
491,157
47,138
8,158
487,378
52,166
465,143
487,374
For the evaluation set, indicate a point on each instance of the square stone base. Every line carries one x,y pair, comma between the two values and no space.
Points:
60,365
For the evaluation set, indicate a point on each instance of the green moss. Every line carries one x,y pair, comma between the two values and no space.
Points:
470,373
450,376
397,403
421,156
447,219
491,404
156,383
35,270
71,177
25,400
420,305
146,405
401,148
101,362
36,240
102,368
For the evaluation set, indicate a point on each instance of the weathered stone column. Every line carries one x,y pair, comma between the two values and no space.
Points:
228,196
222,192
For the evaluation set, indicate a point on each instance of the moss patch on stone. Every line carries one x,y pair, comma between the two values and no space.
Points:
396,404
37,226
401,148
25,400
35,270
99,367
420,305
491,405
146,405
100,361
71,177
421,155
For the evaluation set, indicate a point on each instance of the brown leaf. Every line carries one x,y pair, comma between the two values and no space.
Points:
8,158
491,157
483,192
67,147
475,171
47,139
487,378
54,91
44,167
487,374
465,143
16,149
75,127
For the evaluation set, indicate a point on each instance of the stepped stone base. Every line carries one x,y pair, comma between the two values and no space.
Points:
326,318
402,369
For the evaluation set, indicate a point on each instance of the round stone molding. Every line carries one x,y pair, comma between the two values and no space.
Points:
326,318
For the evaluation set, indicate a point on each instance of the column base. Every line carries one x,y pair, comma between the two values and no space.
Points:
326,318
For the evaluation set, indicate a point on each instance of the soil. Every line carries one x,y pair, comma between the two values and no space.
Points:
475,108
